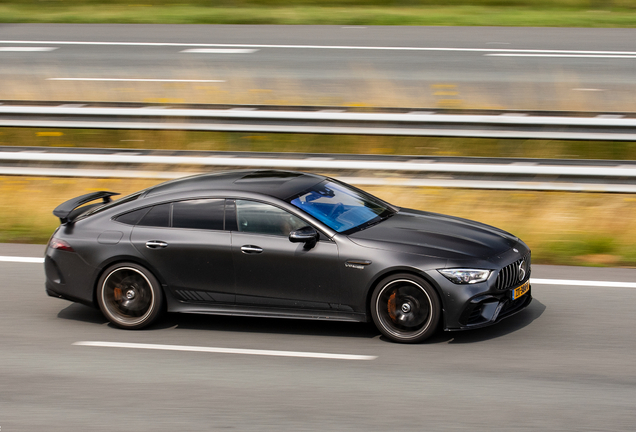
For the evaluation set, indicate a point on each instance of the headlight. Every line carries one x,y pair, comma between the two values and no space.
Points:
465,276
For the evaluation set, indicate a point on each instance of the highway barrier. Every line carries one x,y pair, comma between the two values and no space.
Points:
461,172
323,120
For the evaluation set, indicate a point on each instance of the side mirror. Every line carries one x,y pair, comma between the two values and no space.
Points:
307,235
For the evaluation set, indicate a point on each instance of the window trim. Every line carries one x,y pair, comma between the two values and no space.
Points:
170,219
308,219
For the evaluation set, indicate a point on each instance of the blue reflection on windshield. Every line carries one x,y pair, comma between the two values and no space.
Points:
339,207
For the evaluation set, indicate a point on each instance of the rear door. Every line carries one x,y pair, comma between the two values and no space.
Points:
185,241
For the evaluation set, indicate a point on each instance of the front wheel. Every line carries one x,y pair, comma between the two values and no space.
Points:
129,296
405,308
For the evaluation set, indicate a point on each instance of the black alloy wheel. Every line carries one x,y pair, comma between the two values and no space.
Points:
405,308
129,296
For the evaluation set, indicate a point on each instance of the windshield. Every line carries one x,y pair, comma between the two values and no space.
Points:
341,208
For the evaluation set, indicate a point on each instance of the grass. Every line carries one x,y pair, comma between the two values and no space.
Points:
314,143
561,228
564,13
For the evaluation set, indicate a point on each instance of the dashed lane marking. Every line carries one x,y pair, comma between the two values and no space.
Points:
21,259
27,49
138,80
216,350
616,56
219,51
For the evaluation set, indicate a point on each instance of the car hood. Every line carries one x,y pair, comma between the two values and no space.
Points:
435,234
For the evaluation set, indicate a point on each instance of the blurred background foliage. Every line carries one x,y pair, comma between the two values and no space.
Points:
316,143
571,13
390,3
560,227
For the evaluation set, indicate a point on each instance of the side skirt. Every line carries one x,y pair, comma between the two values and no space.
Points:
234,310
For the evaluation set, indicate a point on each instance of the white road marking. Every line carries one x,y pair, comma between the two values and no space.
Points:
219,50
27,49
563,55
592,90
226,350
353,27
335,47
21,259
136,80
583,283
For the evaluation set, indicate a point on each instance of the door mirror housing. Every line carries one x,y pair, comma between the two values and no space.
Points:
307,235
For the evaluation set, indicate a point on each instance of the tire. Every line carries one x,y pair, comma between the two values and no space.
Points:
129,296
405,308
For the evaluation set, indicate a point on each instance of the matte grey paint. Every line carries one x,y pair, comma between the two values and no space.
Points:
285,280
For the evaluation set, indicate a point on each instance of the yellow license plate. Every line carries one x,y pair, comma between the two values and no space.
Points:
519,291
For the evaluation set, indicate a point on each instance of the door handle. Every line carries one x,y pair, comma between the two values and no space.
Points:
251,249
156,244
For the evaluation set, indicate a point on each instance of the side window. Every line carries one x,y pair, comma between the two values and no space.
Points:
133,217
158,216
255,217
198,214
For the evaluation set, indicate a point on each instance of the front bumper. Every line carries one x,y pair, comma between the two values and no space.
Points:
477,305
489,309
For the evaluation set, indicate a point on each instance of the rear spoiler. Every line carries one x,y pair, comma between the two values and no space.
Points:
65,210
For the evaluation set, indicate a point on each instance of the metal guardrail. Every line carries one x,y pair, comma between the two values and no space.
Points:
337,162
459,172
323,120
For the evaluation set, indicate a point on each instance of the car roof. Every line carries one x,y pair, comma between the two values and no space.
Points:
278,184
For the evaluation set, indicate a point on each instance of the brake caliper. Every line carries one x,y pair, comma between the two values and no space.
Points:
391,306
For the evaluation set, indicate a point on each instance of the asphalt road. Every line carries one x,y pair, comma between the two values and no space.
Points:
479,67
566,363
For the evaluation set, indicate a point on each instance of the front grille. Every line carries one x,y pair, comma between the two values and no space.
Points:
509,275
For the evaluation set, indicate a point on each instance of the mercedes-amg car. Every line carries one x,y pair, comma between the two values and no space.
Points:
269,243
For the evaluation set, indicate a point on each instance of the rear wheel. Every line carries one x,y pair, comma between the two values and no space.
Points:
405,308
129,296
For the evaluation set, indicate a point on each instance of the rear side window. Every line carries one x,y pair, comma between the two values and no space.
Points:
133,217
198,214
158,216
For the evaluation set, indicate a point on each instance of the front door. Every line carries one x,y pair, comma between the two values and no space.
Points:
271,271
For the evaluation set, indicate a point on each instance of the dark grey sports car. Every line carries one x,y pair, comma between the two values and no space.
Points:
283,244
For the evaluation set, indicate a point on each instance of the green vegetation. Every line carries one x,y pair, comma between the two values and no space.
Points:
561,228
558,13
314,143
